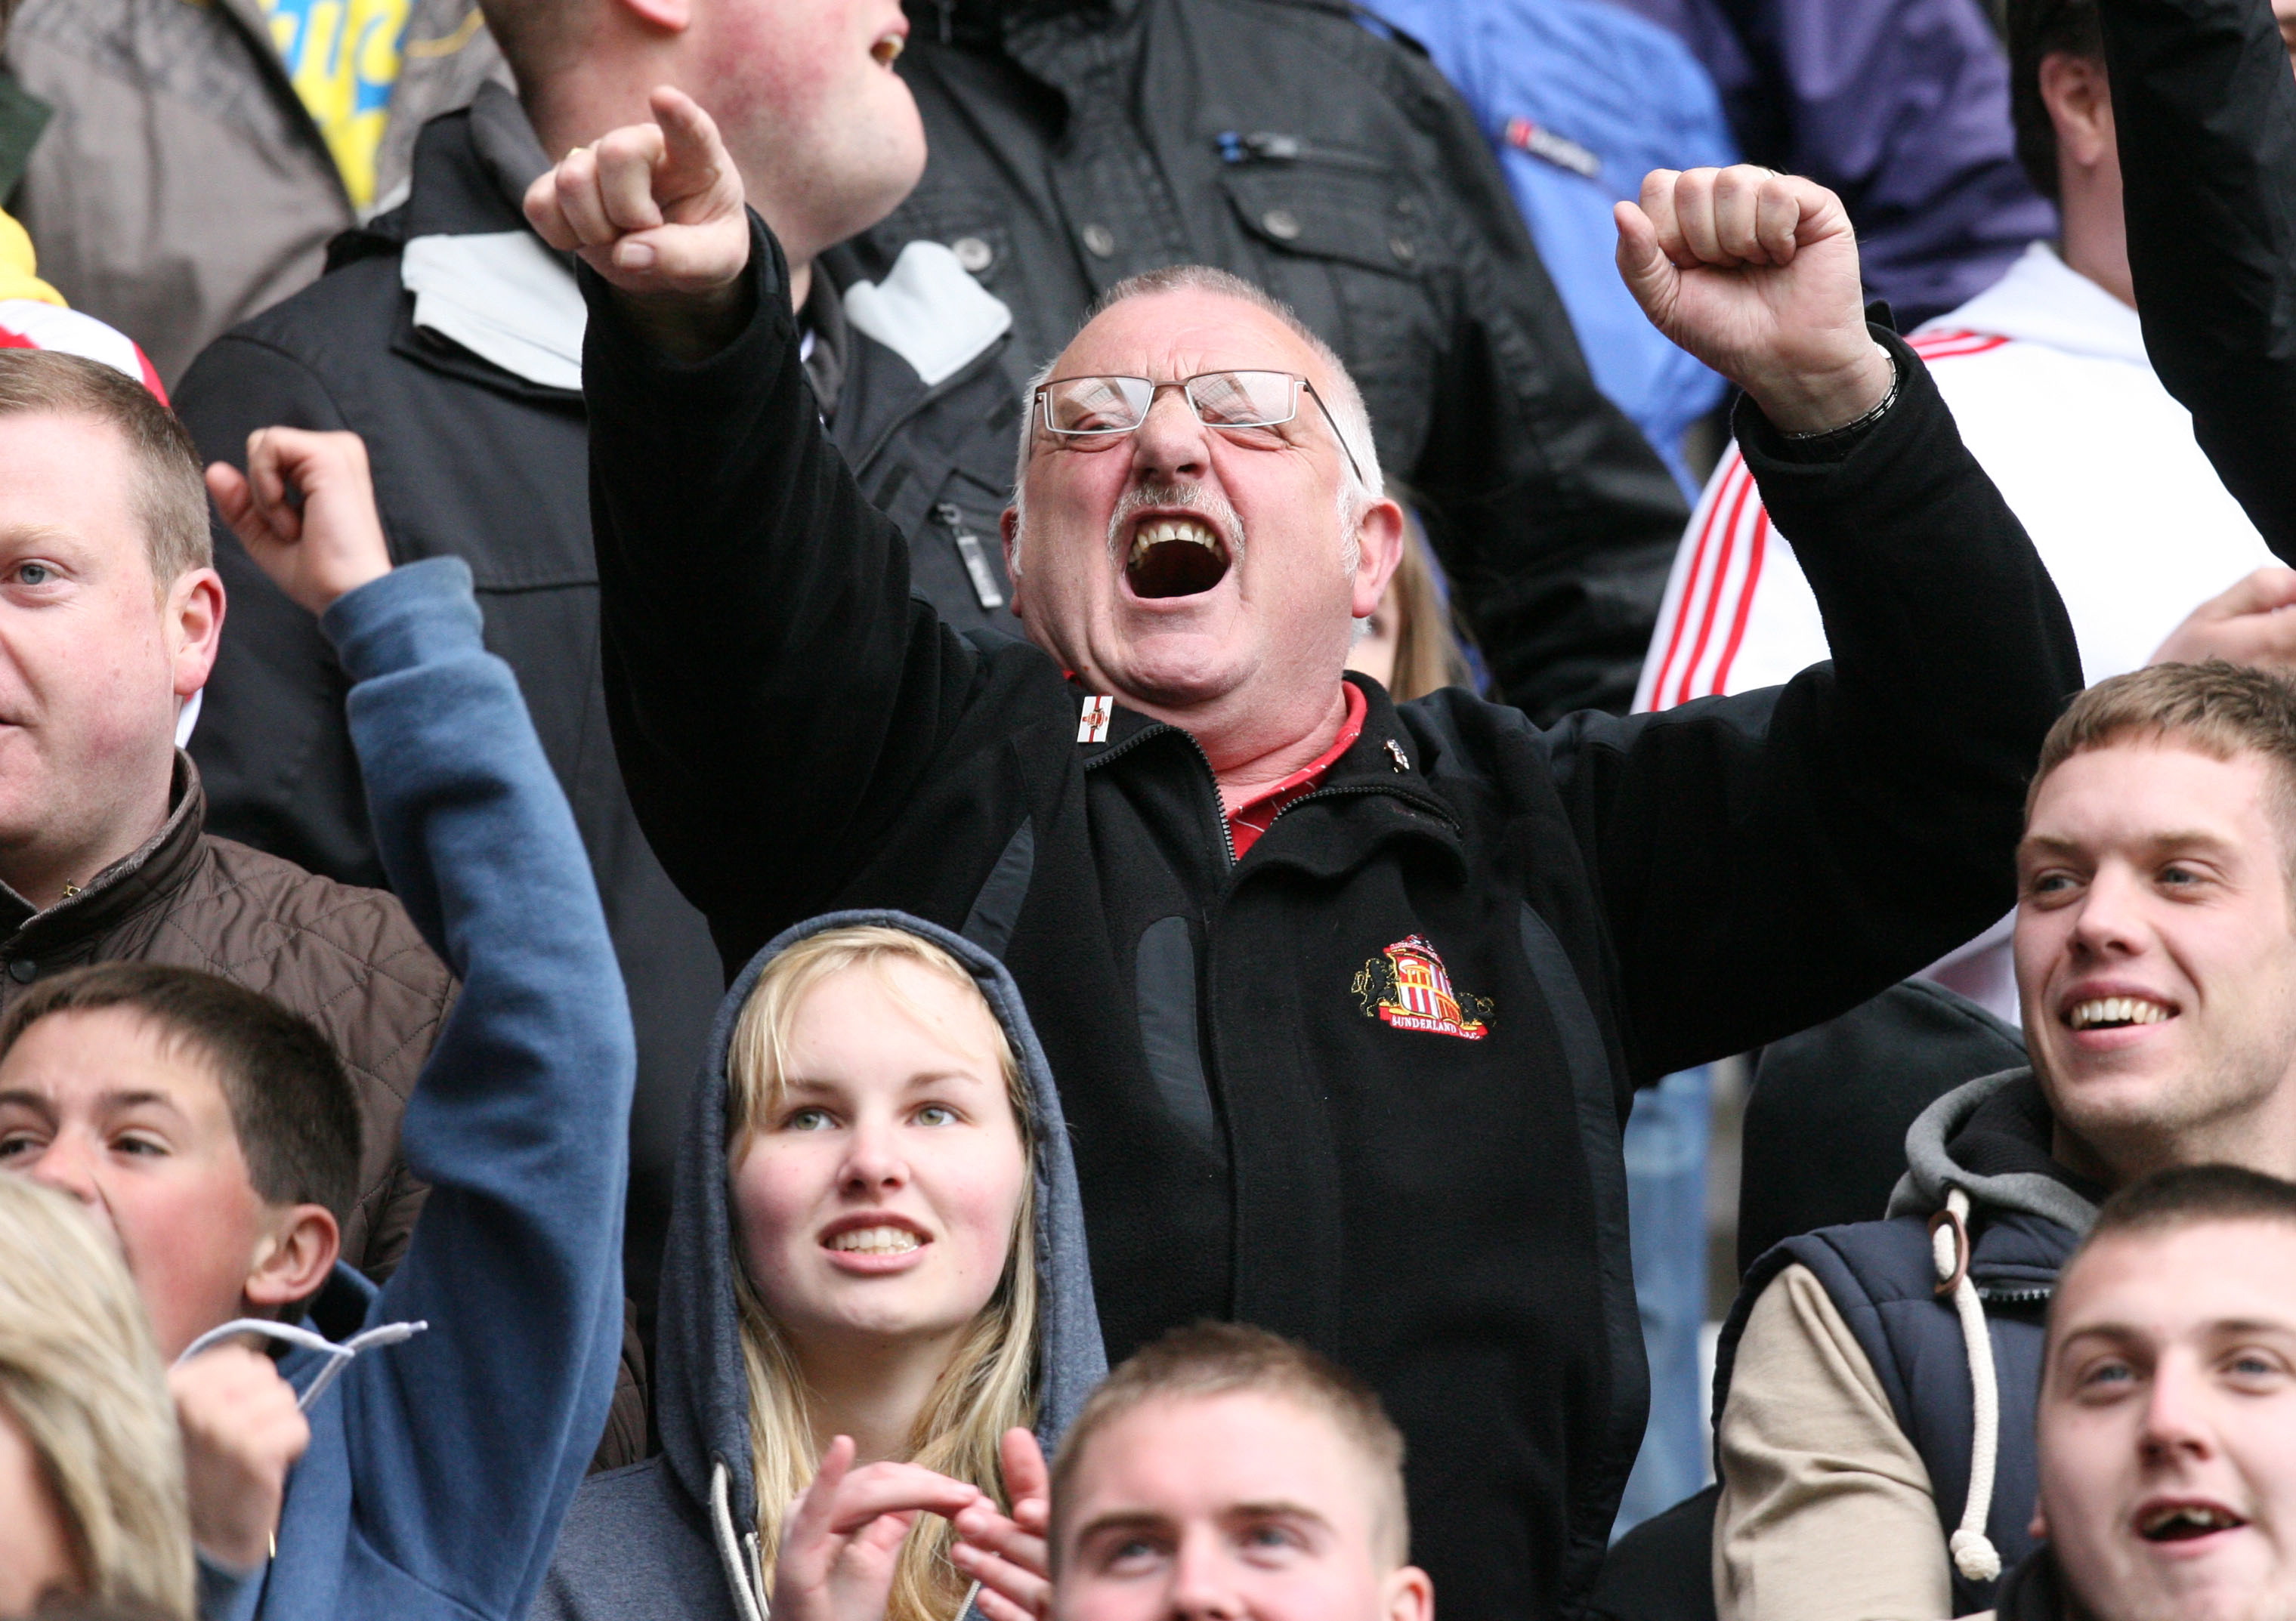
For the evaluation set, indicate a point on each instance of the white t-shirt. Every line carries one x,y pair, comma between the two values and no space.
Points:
2046,375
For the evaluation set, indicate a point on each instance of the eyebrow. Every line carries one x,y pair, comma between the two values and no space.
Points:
921,1079
2180,839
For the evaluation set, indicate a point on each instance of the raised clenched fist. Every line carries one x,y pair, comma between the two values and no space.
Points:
305,510
1756,273
657,210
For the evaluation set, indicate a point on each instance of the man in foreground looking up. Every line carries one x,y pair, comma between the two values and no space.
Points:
1327,981
2168,1421
1225,1471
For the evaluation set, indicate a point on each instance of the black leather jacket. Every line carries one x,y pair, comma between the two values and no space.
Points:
1078,142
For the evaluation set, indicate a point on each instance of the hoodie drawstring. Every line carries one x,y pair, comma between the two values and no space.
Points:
1973,1554
743,1576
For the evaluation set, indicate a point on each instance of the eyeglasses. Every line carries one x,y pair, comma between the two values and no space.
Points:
1102,408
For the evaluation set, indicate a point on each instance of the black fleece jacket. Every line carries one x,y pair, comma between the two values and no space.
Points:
1261,1132
2205,108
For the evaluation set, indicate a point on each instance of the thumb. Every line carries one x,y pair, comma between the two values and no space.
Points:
1649,274
1025,1475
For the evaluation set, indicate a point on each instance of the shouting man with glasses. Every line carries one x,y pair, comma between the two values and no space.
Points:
1346,999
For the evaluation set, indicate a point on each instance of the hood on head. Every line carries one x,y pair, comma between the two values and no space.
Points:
702,1399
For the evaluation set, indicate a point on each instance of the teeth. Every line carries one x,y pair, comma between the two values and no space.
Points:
887,49
2116,1011
2197,1516
875,1241
1156,531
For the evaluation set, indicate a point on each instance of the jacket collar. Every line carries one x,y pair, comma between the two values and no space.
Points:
146,876
1945,1149
1380,775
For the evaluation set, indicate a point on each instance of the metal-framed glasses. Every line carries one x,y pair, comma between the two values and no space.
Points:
1102,408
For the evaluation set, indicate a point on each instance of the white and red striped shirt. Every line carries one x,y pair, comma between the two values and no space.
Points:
2046,376
33,323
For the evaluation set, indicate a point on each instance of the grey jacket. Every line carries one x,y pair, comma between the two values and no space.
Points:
180,187
675,1536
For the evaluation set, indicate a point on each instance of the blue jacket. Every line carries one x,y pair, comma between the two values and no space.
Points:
439,1469
1900,106
1581,100
675,1538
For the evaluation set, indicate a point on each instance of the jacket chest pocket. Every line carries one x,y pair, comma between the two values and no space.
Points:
1350,244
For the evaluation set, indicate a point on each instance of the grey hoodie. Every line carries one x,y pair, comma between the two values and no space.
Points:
675,1536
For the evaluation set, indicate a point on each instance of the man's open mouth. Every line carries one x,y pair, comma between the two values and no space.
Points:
2181,1522
1173,557
2116,1012
887,49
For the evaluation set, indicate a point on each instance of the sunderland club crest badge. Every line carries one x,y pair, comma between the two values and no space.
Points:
1407,986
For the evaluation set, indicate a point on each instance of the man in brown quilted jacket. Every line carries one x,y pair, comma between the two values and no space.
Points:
110,615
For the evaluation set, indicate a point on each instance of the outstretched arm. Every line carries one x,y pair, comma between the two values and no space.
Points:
518,1122
2205,110
1769,860
774,691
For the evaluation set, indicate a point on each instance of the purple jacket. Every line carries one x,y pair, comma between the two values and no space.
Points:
1901,107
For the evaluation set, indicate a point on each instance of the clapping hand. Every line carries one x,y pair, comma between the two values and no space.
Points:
841,1542
1756,273
1007,1554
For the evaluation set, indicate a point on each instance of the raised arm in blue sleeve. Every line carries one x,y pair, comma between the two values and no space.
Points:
441,1468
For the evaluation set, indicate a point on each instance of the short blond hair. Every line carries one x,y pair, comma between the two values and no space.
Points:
1211,1359
81,1375
2218,709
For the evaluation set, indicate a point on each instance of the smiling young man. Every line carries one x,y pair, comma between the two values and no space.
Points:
2168,1411
1323,977
2155,945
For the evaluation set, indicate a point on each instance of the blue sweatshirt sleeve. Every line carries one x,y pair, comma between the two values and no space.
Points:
465,1444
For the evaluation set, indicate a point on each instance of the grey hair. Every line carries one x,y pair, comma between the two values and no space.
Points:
1364,483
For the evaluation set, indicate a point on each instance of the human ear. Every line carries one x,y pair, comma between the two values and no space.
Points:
2079,100
1407,1595
1378,550
195,614
294,1260
670,16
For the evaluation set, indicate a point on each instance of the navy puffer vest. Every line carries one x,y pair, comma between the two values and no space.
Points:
1881,1279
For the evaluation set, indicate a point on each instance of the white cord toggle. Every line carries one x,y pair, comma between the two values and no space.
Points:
338,1357
1973,1554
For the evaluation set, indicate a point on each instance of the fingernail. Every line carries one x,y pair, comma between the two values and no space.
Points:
634,256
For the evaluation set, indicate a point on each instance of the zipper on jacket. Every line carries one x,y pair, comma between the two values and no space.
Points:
1268,147
1342,790
973,553
1219,810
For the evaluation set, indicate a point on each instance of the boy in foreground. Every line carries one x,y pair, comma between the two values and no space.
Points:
1220,1471
429,1478
2168,1416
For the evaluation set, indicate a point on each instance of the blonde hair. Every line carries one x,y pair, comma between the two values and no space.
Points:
989,1386
81,1376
